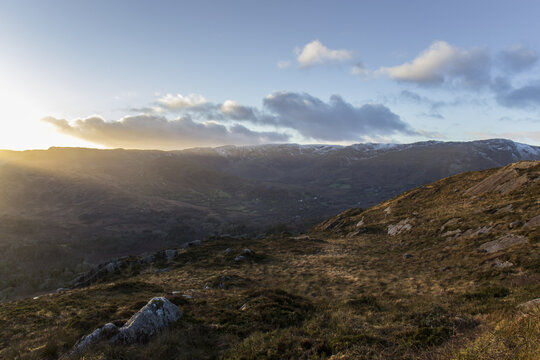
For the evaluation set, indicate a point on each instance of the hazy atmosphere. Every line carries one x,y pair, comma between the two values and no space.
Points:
185,74
269,180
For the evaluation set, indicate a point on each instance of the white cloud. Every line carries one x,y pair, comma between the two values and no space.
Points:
315,53
444,63
179,101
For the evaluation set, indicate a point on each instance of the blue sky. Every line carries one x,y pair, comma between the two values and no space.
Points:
148,74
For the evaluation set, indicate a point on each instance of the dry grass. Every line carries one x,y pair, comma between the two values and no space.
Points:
327,296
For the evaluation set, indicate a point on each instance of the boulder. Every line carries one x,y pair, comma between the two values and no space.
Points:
154,317
502,243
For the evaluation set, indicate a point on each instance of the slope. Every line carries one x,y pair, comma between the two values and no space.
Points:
438,272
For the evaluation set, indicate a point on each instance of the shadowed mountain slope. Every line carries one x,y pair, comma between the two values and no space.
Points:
69,208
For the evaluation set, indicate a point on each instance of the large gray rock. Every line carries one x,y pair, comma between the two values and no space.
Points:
154,317
105,332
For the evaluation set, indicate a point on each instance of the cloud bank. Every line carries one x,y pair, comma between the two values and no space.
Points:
335,120
157,132
199,122
445,66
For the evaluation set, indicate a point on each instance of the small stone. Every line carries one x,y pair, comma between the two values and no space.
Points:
170,254
239,258
227,250
407,256
248,252
498,263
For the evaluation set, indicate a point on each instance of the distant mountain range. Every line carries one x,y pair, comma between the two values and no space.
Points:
63,206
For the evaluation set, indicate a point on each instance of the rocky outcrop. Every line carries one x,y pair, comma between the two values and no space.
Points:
154,317
105,332
502,243
400,227
503,181
102,270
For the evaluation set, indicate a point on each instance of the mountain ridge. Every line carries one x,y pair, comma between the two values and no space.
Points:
90,205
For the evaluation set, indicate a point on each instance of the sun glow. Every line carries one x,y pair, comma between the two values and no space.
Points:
21,127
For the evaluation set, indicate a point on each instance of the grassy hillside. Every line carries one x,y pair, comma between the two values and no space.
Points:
64,209
410,278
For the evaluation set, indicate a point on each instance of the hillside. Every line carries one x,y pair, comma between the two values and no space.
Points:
438,272
71,208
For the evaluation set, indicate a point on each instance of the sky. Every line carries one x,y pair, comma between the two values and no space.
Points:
178,74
